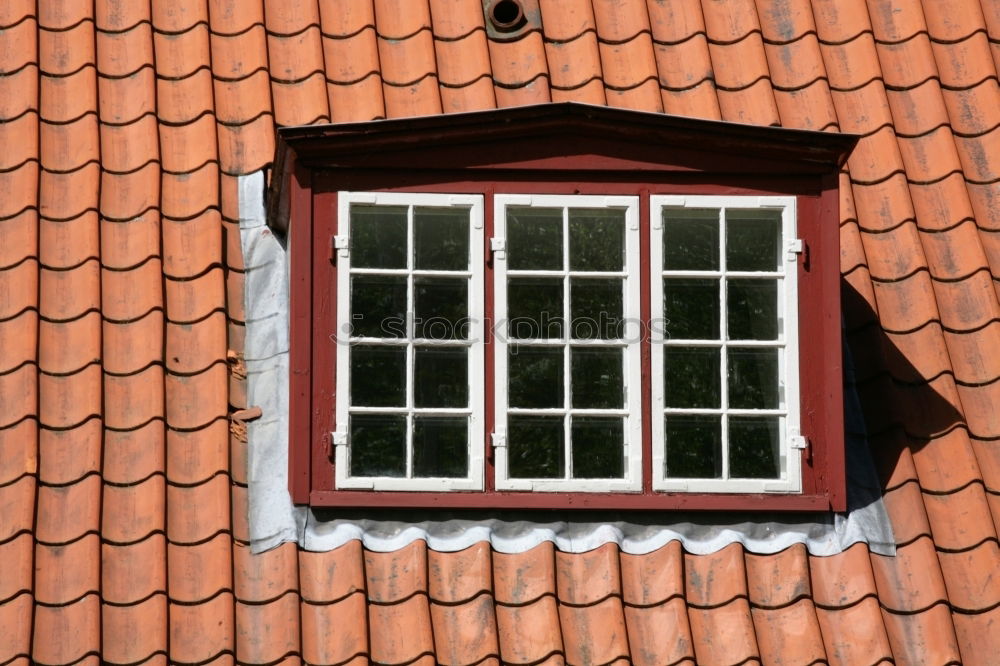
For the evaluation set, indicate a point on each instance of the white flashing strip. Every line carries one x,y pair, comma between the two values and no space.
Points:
790,454
475,345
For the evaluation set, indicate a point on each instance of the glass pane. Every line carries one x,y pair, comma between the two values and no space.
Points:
440,446
378,306
441,238
598,448
535,376
598,378
441,307
753,448
535,447
691,309
691,377
690,240
753,309
534,239
694,446
753,378
440,377
596,239
378,376
378,236
596,308
378,445
535,308
753,240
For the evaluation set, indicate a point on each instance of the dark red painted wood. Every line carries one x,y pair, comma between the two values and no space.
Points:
324,350
300,386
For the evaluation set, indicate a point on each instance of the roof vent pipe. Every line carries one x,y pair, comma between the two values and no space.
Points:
506,15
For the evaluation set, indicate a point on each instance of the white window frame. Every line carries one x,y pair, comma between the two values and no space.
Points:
475,345
632,411
790,439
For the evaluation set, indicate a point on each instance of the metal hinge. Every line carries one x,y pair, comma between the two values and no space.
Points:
499,247
797,440
793,248
339,438
499,440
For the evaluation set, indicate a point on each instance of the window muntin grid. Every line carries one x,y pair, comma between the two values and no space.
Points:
410,342
553,274
724,378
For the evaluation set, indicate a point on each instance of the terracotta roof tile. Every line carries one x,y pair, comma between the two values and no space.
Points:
133,634
724,634
973,111
715,579
197,513
246,148
135,572
977,635
465,633
779,579
20,92
927,635
75,571
335,633
118,17
17,500
240,508
789,635
265,577
267,632
521,579
896,577
133,455
20,390
196,455
199,571
598,567
332,575
905,506
519,70
16,459
133,400
132,513
960,520
855,634
842,580
66,456
15,629
526,631
17,554
401,632
594,634
989,463
458,577
67,634
969,576
659,634
201,632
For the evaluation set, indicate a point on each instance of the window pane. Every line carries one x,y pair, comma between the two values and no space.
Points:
598,378
694,446
441,307
596,308
378,376
378,445
440,377
441,238
440,446
378,306
753,448
691,377
535,447
535,376
534,238
753,240
690,240
378,236
598,448
753,378
535,308
753,309
596,239
691,309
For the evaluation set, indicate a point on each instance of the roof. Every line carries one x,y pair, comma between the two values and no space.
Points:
124,128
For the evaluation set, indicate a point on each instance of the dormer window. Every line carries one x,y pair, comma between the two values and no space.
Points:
575,307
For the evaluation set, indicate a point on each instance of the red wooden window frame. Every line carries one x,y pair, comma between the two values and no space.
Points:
558,149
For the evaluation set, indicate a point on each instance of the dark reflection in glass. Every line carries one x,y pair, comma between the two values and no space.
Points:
753,240
596,239
441,308
753,309
535,308
535,447
440,447
440,377
441,238
534,238
597,377
378,306
753,447
535,376
691,308
596,308
753,378
378,376
691,377
598,447
694,446
691,239
378,236
378,445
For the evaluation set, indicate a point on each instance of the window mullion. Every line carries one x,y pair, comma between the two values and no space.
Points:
567,355
410,323
724,349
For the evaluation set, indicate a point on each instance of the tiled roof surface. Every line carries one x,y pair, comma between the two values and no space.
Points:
123,128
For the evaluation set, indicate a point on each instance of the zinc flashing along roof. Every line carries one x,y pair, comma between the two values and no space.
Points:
124,129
